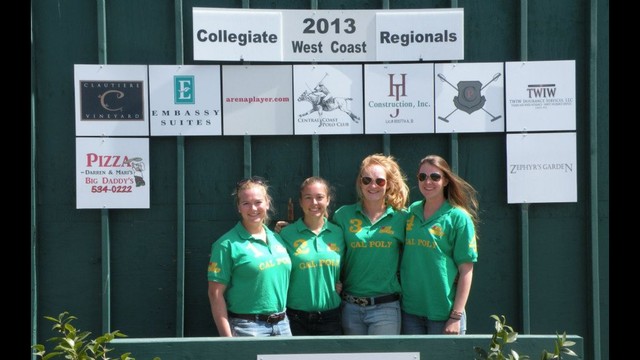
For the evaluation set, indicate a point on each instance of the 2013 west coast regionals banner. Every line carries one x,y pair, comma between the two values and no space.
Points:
328,35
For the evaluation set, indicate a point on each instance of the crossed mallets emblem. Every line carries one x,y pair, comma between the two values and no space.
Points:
469,98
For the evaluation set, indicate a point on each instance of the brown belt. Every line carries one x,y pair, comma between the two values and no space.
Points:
270,319
367,301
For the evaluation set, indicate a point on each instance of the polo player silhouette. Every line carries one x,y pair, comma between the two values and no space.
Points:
323,93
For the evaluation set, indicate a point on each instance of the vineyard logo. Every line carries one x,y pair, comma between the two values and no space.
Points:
112,100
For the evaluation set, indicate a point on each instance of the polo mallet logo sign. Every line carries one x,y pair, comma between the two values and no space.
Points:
469,97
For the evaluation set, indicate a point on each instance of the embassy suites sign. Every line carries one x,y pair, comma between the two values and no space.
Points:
328,35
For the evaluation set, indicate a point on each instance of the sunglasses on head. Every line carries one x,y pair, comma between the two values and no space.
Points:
433,176
254,180
366,180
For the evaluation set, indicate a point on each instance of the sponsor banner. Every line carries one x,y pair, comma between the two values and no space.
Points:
328,99
328,35
398,98
111,100
185,100
277,99
257,100
469,97
540,95
542,168
112,173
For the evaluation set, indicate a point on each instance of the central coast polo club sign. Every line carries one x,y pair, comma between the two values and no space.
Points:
328,35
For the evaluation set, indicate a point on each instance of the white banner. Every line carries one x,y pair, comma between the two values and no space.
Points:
469,97
398,98
328,35
111,100
436,34
541,95
112,173
237,35
542,168
257,100
328,99
185,100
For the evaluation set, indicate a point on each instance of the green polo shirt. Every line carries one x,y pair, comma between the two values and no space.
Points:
433,249
371,260
315,266
256,273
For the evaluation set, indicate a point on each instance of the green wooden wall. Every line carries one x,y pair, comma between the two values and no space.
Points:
143,271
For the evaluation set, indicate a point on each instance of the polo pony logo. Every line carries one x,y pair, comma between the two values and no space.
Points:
321,100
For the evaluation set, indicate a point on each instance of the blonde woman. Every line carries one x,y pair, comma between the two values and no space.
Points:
249,270
374,230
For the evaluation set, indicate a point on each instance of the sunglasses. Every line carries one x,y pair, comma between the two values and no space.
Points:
254,180
433,176
366,180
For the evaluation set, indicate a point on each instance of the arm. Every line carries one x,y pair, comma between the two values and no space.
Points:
462,294
279,225
219,308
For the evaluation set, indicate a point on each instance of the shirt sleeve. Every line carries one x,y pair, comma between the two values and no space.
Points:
220,263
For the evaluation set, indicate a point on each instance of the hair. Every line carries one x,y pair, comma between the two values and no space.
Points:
316,179
255,181
459,192
397,192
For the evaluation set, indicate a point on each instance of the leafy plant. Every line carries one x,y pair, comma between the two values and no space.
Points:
74,344
562,347
504,335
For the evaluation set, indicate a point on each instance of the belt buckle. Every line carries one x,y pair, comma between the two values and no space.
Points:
274,318
362,301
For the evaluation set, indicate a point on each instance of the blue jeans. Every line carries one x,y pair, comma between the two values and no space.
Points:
383,319
418,325
242,327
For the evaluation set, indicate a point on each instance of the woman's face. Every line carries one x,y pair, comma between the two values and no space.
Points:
373,183
429,187
253,204
314,200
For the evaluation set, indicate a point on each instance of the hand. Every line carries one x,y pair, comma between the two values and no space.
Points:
279,225
338,287
452,327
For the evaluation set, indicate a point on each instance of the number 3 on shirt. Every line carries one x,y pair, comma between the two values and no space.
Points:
356,225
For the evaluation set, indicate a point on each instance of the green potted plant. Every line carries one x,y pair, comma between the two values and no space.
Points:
74,344
562,347
504,335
